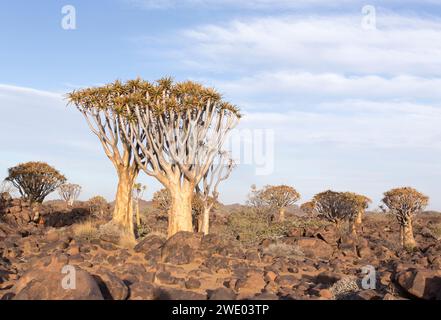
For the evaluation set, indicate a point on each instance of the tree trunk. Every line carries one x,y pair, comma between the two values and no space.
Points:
204,223
408,239
138,216
180,218
359,218
123,212
353,228
281,214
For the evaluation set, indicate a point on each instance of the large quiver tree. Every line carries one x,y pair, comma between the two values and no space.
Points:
179,128
102,109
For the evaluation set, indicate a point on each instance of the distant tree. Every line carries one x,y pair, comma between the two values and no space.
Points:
362,203
69,193
35,180
255,199
279,197
162,201
308,207
208,192
138,191
98,206
7,187
177,128
404,203
336,206
102,107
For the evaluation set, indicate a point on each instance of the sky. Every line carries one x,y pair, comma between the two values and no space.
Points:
333,96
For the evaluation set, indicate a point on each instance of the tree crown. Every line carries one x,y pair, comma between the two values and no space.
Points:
405,201
161,96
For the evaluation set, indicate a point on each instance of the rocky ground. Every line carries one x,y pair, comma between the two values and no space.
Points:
310,262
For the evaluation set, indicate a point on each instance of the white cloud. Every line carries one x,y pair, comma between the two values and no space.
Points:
316,44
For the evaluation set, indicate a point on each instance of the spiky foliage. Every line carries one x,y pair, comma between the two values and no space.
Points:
404,203
280,197
336,206
69,192
35,180
162,200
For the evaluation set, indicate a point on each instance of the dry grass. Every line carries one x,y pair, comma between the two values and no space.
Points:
86,231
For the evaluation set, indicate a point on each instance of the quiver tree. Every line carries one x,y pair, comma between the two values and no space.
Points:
336,206
207,190
404,203
279,197
179,129
362,204
102,109
308,207
98,206
69,193
35,180
138,191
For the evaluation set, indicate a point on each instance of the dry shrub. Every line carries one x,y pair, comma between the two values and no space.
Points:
86,231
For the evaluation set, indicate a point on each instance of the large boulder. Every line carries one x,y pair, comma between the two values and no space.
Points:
314,247
180,249
423,283
112,287
47,284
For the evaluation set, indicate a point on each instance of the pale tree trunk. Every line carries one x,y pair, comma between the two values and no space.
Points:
138,216
408,239
353,226
123,212
359,218
204,222
281,214
180,218
402,235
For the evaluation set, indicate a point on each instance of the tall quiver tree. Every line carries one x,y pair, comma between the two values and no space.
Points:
103,111
180,128
207,190
404,203
360,204
280,197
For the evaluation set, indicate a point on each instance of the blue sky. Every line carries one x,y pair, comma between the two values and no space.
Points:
350,108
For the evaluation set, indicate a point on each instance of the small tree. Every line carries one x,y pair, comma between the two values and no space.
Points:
279,197
162,201
98,206
35,180
138,191
404,203
336,206
69,193
177,130
362,203
208,188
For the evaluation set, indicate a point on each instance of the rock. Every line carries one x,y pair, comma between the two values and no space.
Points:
165,277
142,291
326,294
180,248
423,283
112,287
328,278
46,284
192,283
313,247
221,294
251,285
287,281
177,294
149,243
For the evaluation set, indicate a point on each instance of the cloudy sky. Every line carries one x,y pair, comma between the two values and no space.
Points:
351,105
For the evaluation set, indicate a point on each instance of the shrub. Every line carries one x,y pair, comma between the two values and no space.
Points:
98,206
